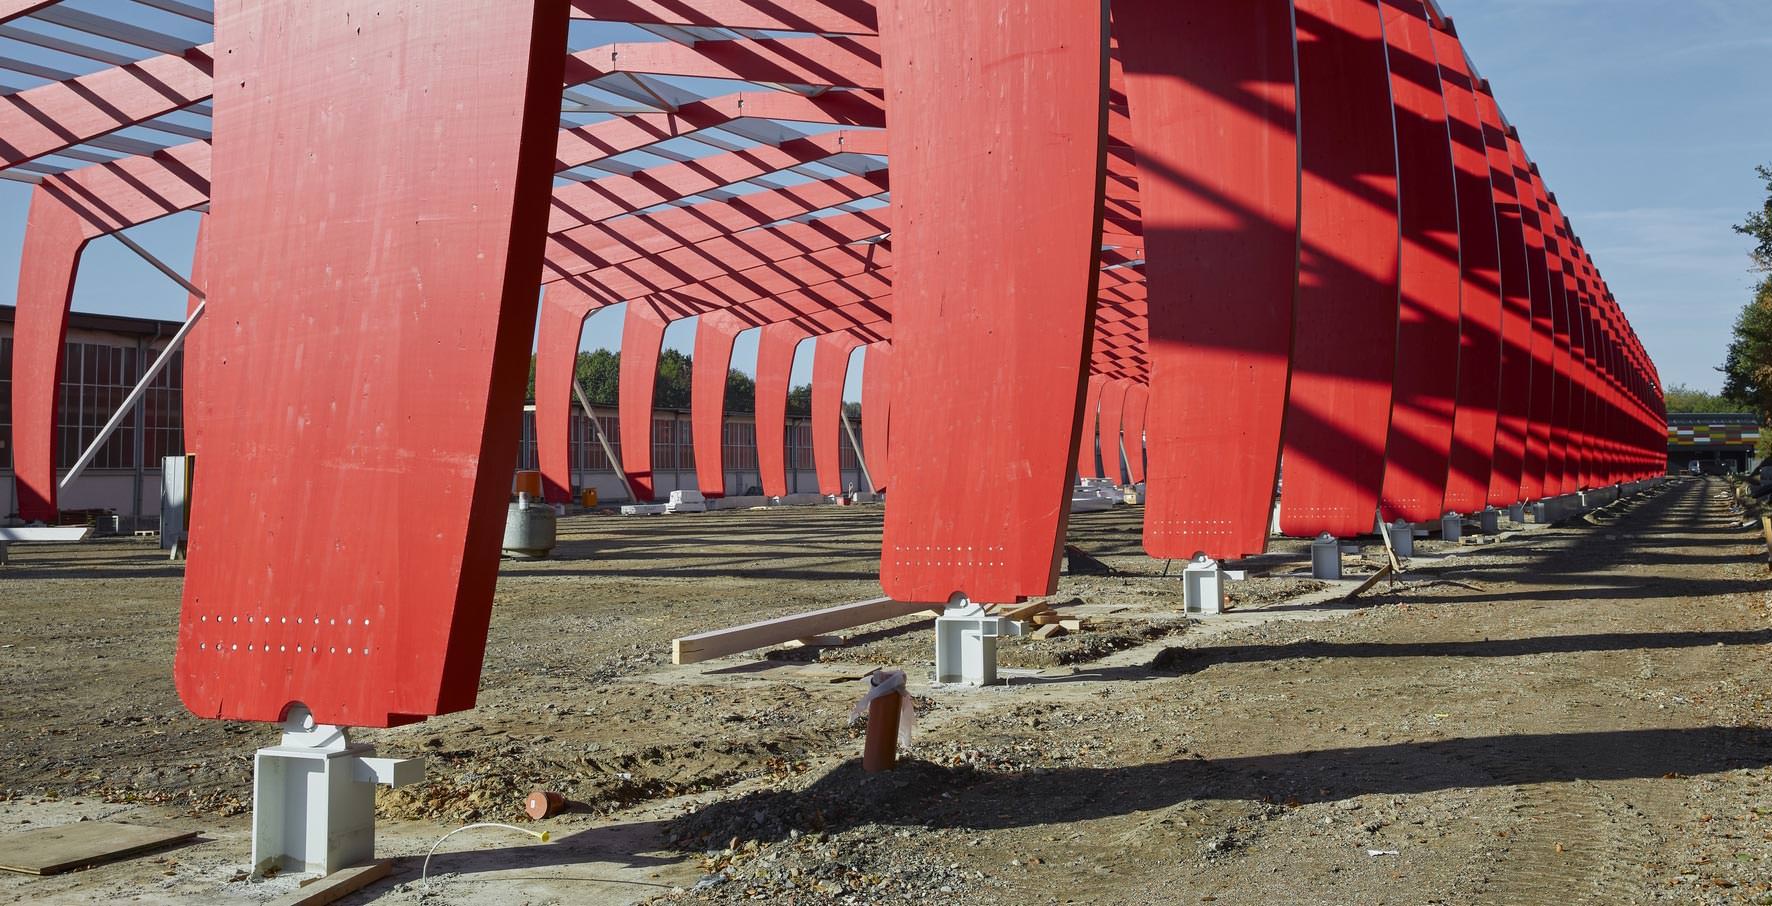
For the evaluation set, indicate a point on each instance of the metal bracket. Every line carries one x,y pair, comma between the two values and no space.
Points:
1203,579
1326,558
313,797
1402,535
1451,527
966,643
1491,521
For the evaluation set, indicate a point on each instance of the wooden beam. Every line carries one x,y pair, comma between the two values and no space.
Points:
335,886
693,649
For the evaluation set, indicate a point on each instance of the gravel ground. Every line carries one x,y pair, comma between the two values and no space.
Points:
1575,714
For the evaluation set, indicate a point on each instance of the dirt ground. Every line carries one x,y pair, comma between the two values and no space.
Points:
1575,714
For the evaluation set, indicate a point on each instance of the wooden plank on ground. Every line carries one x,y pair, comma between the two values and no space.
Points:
53,850
320,891
1367,585
693,649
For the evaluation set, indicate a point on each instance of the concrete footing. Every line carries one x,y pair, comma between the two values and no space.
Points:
1490,521
1326,558
1203,582
1402,536
1451,527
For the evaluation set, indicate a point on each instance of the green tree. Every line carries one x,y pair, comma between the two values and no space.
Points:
741,392
1759,226
599,373
1681,398
1747,370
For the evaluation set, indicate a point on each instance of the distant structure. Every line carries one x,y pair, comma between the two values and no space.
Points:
1711,441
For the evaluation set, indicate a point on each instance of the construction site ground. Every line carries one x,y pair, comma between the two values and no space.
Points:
1575,713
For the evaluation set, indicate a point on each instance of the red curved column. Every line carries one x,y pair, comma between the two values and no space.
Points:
1514,401
1418,450
1132,430
54,238
1212,92
369,399
775,364
1088,466
68,210
1344,353
50,118
1108,422
196,357
642,338
563,312
714,333
876,412
830,368
997,146
1543,399
1556,451
1471,462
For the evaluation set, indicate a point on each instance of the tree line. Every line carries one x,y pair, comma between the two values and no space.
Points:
599,373
1747,370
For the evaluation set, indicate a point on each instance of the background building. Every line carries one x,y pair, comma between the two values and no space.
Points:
1717,441
105,357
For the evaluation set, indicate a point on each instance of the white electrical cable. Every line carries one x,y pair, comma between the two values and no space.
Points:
425,872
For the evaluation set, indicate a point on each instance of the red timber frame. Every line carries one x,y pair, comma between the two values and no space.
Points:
1212,93
1344,352
1419,448
1044,170
372,630
1471,463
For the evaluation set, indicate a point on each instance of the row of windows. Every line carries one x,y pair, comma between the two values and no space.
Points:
673,445
96,377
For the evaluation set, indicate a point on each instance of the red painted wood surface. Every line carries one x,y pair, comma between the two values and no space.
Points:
12,9
1088,461
563,312
1558,446
1514,402
714,334
642,338
54,238
775,364
830,369
1538,431
196,357
1109,418
1212,93
68,210
877,381
59,115
1132,432
1474,434
828,16
1344,353
375,237
998,111
1425,388
826,62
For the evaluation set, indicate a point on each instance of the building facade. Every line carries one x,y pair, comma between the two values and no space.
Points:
1711,441
104,357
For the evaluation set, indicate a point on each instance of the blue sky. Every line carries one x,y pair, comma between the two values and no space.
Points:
1646,117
